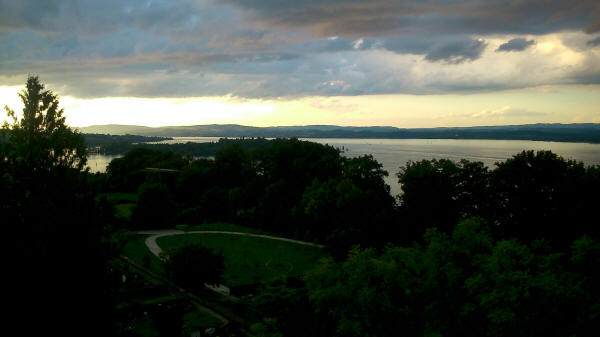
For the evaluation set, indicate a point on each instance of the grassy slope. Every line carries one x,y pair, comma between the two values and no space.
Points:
136,250
224,227
249,260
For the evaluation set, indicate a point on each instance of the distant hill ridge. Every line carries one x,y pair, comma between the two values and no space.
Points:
581,132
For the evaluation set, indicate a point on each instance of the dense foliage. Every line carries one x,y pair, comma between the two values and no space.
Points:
529,196
117,144
463,284
51,234
514,264
193,266
310,191
291,187
121,144
465,250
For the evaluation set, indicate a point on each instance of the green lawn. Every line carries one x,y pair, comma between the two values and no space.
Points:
222,226
249,259
136,250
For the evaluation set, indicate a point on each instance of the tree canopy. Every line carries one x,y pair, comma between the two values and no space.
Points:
193,266
50,225
462,284
40,139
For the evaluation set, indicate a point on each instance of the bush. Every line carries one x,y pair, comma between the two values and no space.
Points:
193,266
155,207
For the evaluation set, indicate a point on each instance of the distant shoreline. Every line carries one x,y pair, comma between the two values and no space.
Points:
570,133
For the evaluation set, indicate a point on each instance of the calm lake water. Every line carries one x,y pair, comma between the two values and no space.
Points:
394,153
99,162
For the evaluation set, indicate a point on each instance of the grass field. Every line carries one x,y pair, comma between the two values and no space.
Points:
249,259
136,250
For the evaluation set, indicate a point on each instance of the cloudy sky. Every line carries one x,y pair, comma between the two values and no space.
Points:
278,62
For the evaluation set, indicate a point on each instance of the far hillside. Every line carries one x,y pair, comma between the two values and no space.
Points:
583,132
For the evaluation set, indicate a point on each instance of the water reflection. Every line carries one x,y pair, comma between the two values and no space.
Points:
99,162
394,153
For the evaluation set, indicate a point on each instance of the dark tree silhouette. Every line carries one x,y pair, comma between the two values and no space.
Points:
155,207
49,217
437,193
459,284
538,193
193,266
41,140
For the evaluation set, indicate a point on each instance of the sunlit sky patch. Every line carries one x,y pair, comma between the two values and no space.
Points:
271,62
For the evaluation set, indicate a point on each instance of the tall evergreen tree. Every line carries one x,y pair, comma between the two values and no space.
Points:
50,222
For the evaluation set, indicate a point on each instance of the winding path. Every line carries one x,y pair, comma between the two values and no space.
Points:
222,289
155,234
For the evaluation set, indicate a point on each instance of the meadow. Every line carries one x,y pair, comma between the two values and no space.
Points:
250,259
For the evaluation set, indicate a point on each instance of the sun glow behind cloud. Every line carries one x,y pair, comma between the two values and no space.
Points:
163,111
562,104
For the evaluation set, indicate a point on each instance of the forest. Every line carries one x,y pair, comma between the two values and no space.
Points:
464,250
121,144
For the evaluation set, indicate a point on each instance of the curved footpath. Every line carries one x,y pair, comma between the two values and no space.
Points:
155,234
222,289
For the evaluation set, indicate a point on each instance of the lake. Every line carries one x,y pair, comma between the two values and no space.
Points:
394,153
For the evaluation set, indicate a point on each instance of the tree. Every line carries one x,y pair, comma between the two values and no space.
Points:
284,305
193,266
128,172
49,215
42,157
41,140
155,207
437,193
537,193
463,283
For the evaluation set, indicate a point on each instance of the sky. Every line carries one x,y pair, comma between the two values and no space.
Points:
398,63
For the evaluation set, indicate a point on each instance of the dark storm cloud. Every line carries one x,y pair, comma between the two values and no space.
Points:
92,17
517,44
273,48
448,48
356,18
457,51
202,60
586,76
26,14
335,17
595,42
